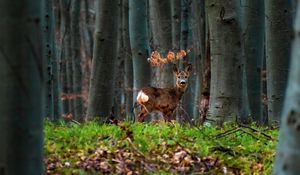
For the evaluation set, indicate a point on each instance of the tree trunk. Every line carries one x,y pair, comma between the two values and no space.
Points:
48,53
128,69
254,53
101,83
118,102
66,61
278,37
76,63
52,69
226,80
288,153
21,87
176,27
160,23
139,44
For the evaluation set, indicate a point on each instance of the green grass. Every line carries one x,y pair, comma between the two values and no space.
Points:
152,148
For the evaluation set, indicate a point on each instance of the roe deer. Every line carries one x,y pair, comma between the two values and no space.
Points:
164,100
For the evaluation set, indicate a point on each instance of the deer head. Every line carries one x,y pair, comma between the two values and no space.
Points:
182,76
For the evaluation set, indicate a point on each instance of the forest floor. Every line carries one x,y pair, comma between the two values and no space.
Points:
161,148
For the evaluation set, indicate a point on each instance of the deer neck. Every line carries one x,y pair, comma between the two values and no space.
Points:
180,91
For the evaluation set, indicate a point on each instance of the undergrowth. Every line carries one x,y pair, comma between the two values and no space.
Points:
161,148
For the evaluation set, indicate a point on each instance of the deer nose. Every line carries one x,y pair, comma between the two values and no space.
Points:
182,82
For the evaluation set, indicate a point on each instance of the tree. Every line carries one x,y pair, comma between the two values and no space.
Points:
128,67
21,87
278,37
76,56
65,56
254,53
176,27
101,82
53,102
288,153
161,26
226,80
139,43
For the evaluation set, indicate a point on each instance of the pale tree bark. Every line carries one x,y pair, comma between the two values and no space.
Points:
278,38
254,53
139,44
101,83
288,153
22,87
226,79
161,26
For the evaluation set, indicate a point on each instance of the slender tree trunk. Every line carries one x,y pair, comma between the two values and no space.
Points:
254,53
160,22
192,57
118,102
66,61
288,153
21,87
101,83
128,68
176,20
76,56
278,38
51,54
184,24
139,44
226,80
48,53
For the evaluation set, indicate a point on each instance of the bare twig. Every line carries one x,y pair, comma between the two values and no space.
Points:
255,130
228,132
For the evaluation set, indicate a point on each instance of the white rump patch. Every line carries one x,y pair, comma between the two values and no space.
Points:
142,97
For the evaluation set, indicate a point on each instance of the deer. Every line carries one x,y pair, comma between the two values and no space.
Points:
164,100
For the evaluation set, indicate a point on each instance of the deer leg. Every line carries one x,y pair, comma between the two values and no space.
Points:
168,116
142,114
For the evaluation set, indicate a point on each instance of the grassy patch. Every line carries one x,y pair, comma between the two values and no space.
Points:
163,148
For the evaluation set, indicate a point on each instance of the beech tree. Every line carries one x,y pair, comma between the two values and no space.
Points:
226,70
105,48
288,153
21,87
254,53
278,38
138,33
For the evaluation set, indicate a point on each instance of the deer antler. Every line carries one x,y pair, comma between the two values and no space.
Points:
157,60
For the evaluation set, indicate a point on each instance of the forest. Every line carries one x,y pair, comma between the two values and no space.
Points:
149,87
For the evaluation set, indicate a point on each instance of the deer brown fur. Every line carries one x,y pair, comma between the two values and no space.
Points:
164,100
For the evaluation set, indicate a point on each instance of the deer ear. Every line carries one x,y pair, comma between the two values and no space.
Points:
175,68
189,69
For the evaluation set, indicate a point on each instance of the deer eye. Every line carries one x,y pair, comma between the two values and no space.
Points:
185,77
178,77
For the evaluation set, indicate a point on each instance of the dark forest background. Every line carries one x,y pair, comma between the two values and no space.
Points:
80,60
